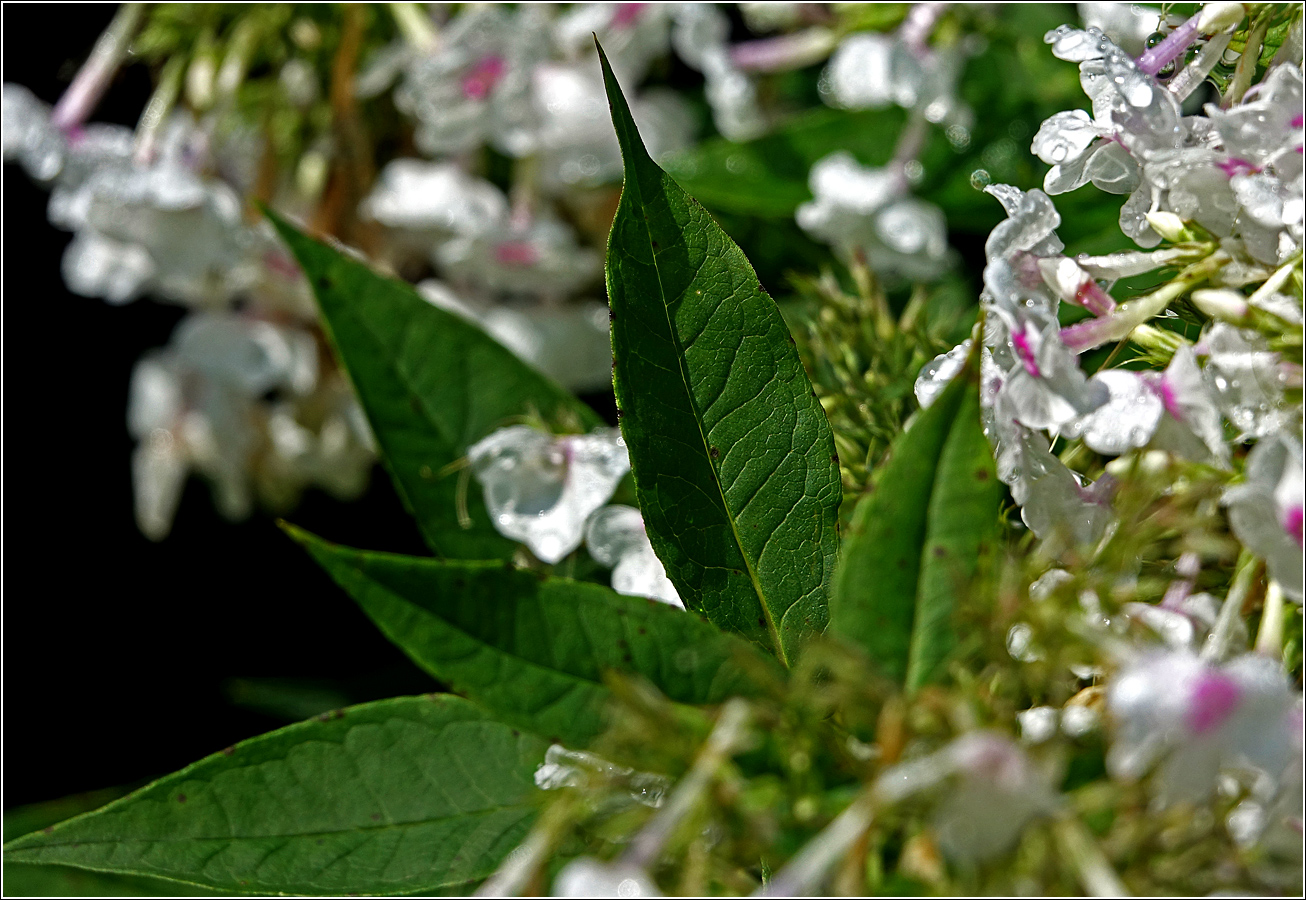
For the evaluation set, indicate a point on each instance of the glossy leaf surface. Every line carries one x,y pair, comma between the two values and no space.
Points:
731,453
432,384
533,649
414,794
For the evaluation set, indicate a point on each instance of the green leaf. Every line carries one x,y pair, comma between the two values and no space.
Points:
432,384
22,880
533,649
917,539
733,459
412,794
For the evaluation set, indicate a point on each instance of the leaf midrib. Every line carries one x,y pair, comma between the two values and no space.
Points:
380,827
772,630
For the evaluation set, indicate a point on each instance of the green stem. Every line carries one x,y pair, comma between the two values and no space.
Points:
1217,642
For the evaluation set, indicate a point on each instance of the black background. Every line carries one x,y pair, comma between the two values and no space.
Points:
118,652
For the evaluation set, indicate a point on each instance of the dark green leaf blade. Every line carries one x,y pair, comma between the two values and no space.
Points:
432,384
533,649
399,796
918,538
733,459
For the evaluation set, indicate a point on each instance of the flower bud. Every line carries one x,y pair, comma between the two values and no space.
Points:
1221,303
1169,226
1216,17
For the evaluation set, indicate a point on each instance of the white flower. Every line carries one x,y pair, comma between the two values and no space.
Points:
434,197
474,87
1196,719
537,259
540,489
577,145
994,792
1244,375
699,38
616,538
588,877
856,208
1266,509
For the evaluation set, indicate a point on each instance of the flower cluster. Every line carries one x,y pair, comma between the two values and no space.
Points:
1219,197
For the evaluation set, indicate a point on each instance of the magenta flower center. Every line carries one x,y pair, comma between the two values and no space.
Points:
1292,523
483,76
628,14
1214,698
516,253
1235,166
1020,340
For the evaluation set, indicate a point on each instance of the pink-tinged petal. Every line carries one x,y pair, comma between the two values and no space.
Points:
1214,698
1097,301
483,76
516,253
1292,523
628,14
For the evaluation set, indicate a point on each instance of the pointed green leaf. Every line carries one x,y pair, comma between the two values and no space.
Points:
733,459
533,649
412,794
432,384
918,537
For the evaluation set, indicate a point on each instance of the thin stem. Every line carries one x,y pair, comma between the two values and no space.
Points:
803,874
1242,76
1269,637
93,78
516,871
1170,49
416,27
1217,642
156,111
1196,71
724,741
236,61
1095,872
921,20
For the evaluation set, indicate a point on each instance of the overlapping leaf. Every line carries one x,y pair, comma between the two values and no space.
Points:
917,540
532,649
732,456
415,794
431,383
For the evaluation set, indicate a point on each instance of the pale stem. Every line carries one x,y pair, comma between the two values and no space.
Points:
1269,637
1274,282
93,78
785,52
236,61
1095,872
803,874
156,110
724,741
416,27
516,871
1196,71
1242,76
1217,642
919,25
